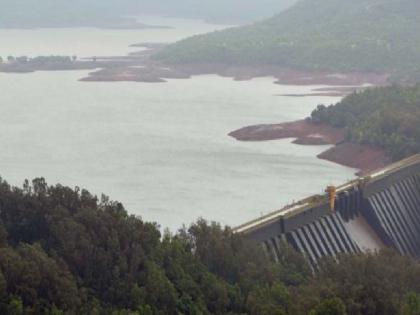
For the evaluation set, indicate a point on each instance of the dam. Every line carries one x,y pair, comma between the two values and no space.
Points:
381,209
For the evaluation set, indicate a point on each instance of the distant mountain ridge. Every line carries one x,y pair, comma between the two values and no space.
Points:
358,35
64,13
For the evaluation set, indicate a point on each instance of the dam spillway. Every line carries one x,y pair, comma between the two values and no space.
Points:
379,210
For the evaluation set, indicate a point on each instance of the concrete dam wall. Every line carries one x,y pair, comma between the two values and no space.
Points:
379,210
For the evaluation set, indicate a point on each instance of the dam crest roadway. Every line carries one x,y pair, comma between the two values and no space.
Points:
372,212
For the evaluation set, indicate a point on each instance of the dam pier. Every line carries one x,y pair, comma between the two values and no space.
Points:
372,212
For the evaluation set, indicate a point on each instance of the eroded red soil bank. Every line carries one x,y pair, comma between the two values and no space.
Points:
363,157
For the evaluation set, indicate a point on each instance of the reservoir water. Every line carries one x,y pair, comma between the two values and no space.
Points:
87,42
160,148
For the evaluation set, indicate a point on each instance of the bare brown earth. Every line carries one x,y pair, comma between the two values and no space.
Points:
153,71
304,131
334,94
141,67
335,91
363,157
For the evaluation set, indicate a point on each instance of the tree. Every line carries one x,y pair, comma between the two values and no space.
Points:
15,306
384,117
411,305
65,251
268,300
333,306
22,59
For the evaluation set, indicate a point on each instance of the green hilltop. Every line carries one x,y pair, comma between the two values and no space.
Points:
64,251
385,117
360,35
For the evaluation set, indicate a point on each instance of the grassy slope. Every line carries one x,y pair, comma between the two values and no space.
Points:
358,35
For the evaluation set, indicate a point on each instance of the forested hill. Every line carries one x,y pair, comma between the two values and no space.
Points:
387,117
360,35
63,251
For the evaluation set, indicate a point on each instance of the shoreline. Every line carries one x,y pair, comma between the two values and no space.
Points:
144,69
139,66
110,24
365,158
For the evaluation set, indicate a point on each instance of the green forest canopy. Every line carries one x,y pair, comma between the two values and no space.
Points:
63,251
388,117
359,35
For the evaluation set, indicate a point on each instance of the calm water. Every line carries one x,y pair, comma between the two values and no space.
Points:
86,42
162,149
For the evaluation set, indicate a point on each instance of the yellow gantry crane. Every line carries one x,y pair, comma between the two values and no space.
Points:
331,193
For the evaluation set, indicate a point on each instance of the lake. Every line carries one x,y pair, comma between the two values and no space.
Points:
160,148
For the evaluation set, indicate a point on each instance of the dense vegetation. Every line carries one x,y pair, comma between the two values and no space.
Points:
63,251
360,35
388,117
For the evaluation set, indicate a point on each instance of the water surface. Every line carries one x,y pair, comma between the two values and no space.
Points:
87,42
160,148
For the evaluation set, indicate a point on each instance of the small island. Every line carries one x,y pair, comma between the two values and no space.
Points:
24,64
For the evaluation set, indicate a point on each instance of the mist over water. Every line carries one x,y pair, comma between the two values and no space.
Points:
160,148
88,42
